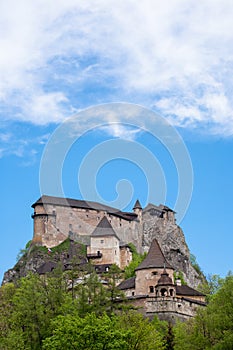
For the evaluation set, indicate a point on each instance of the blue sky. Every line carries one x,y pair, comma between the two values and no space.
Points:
60,58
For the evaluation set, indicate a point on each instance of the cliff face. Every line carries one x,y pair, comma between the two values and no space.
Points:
172,241
40,260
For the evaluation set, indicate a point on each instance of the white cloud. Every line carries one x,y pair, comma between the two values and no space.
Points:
59,56
121,131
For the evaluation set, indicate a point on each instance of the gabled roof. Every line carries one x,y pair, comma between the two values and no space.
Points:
161,208
152,206
76,203
127,284
104,228
186,290
154,258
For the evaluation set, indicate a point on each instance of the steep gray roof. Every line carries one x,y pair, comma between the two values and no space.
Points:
154,258
127,284
76,203
137,205
186,290
104,228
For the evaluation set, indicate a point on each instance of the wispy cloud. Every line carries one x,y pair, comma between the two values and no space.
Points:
21,144
177,58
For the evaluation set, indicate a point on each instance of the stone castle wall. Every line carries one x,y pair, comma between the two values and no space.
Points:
149,278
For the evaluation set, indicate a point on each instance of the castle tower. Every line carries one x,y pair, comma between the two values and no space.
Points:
104,244
138,209
150,270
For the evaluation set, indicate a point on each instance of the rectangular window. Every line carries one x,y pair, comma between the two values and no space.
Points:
102,241
151,288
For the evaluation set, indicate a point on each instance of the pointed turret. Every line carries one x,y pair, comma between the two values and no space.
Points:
104,228
138,209
137,205
155,258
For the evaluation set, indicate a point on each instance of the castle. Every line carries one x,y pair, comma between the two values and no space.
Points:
107,233
57,218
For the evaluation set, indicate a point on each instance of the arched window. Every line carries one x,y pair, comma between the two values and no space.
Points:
163,292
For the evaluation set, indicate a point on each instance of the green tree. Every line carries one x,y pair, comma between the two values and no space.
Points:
142,334
89,333
115,296
211,285
136,260
91,295
212,328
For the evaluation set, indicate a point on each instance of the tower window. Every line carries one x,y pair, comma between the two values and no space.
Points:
151,288
163,292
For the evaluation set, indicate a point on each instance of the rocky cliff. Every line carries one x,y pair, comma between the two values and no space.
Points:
172,241
42,260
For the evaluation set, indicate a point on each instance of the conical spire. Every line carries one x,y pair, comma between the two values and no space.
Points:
154,258
137,205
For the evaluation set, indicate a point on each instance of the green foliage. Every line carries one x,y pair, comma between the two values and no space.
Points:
142,334
124,332
42,312
23,251
136,260
195,264
90,332
179,276
39,248
212,328
210,285
62,247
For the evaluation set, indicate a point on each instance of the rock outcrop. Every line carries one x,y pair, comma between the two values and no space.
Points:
42,260
172,241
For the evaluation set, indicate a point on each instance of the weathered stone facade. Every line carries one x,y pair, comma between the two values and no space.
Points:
55,219
105,246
